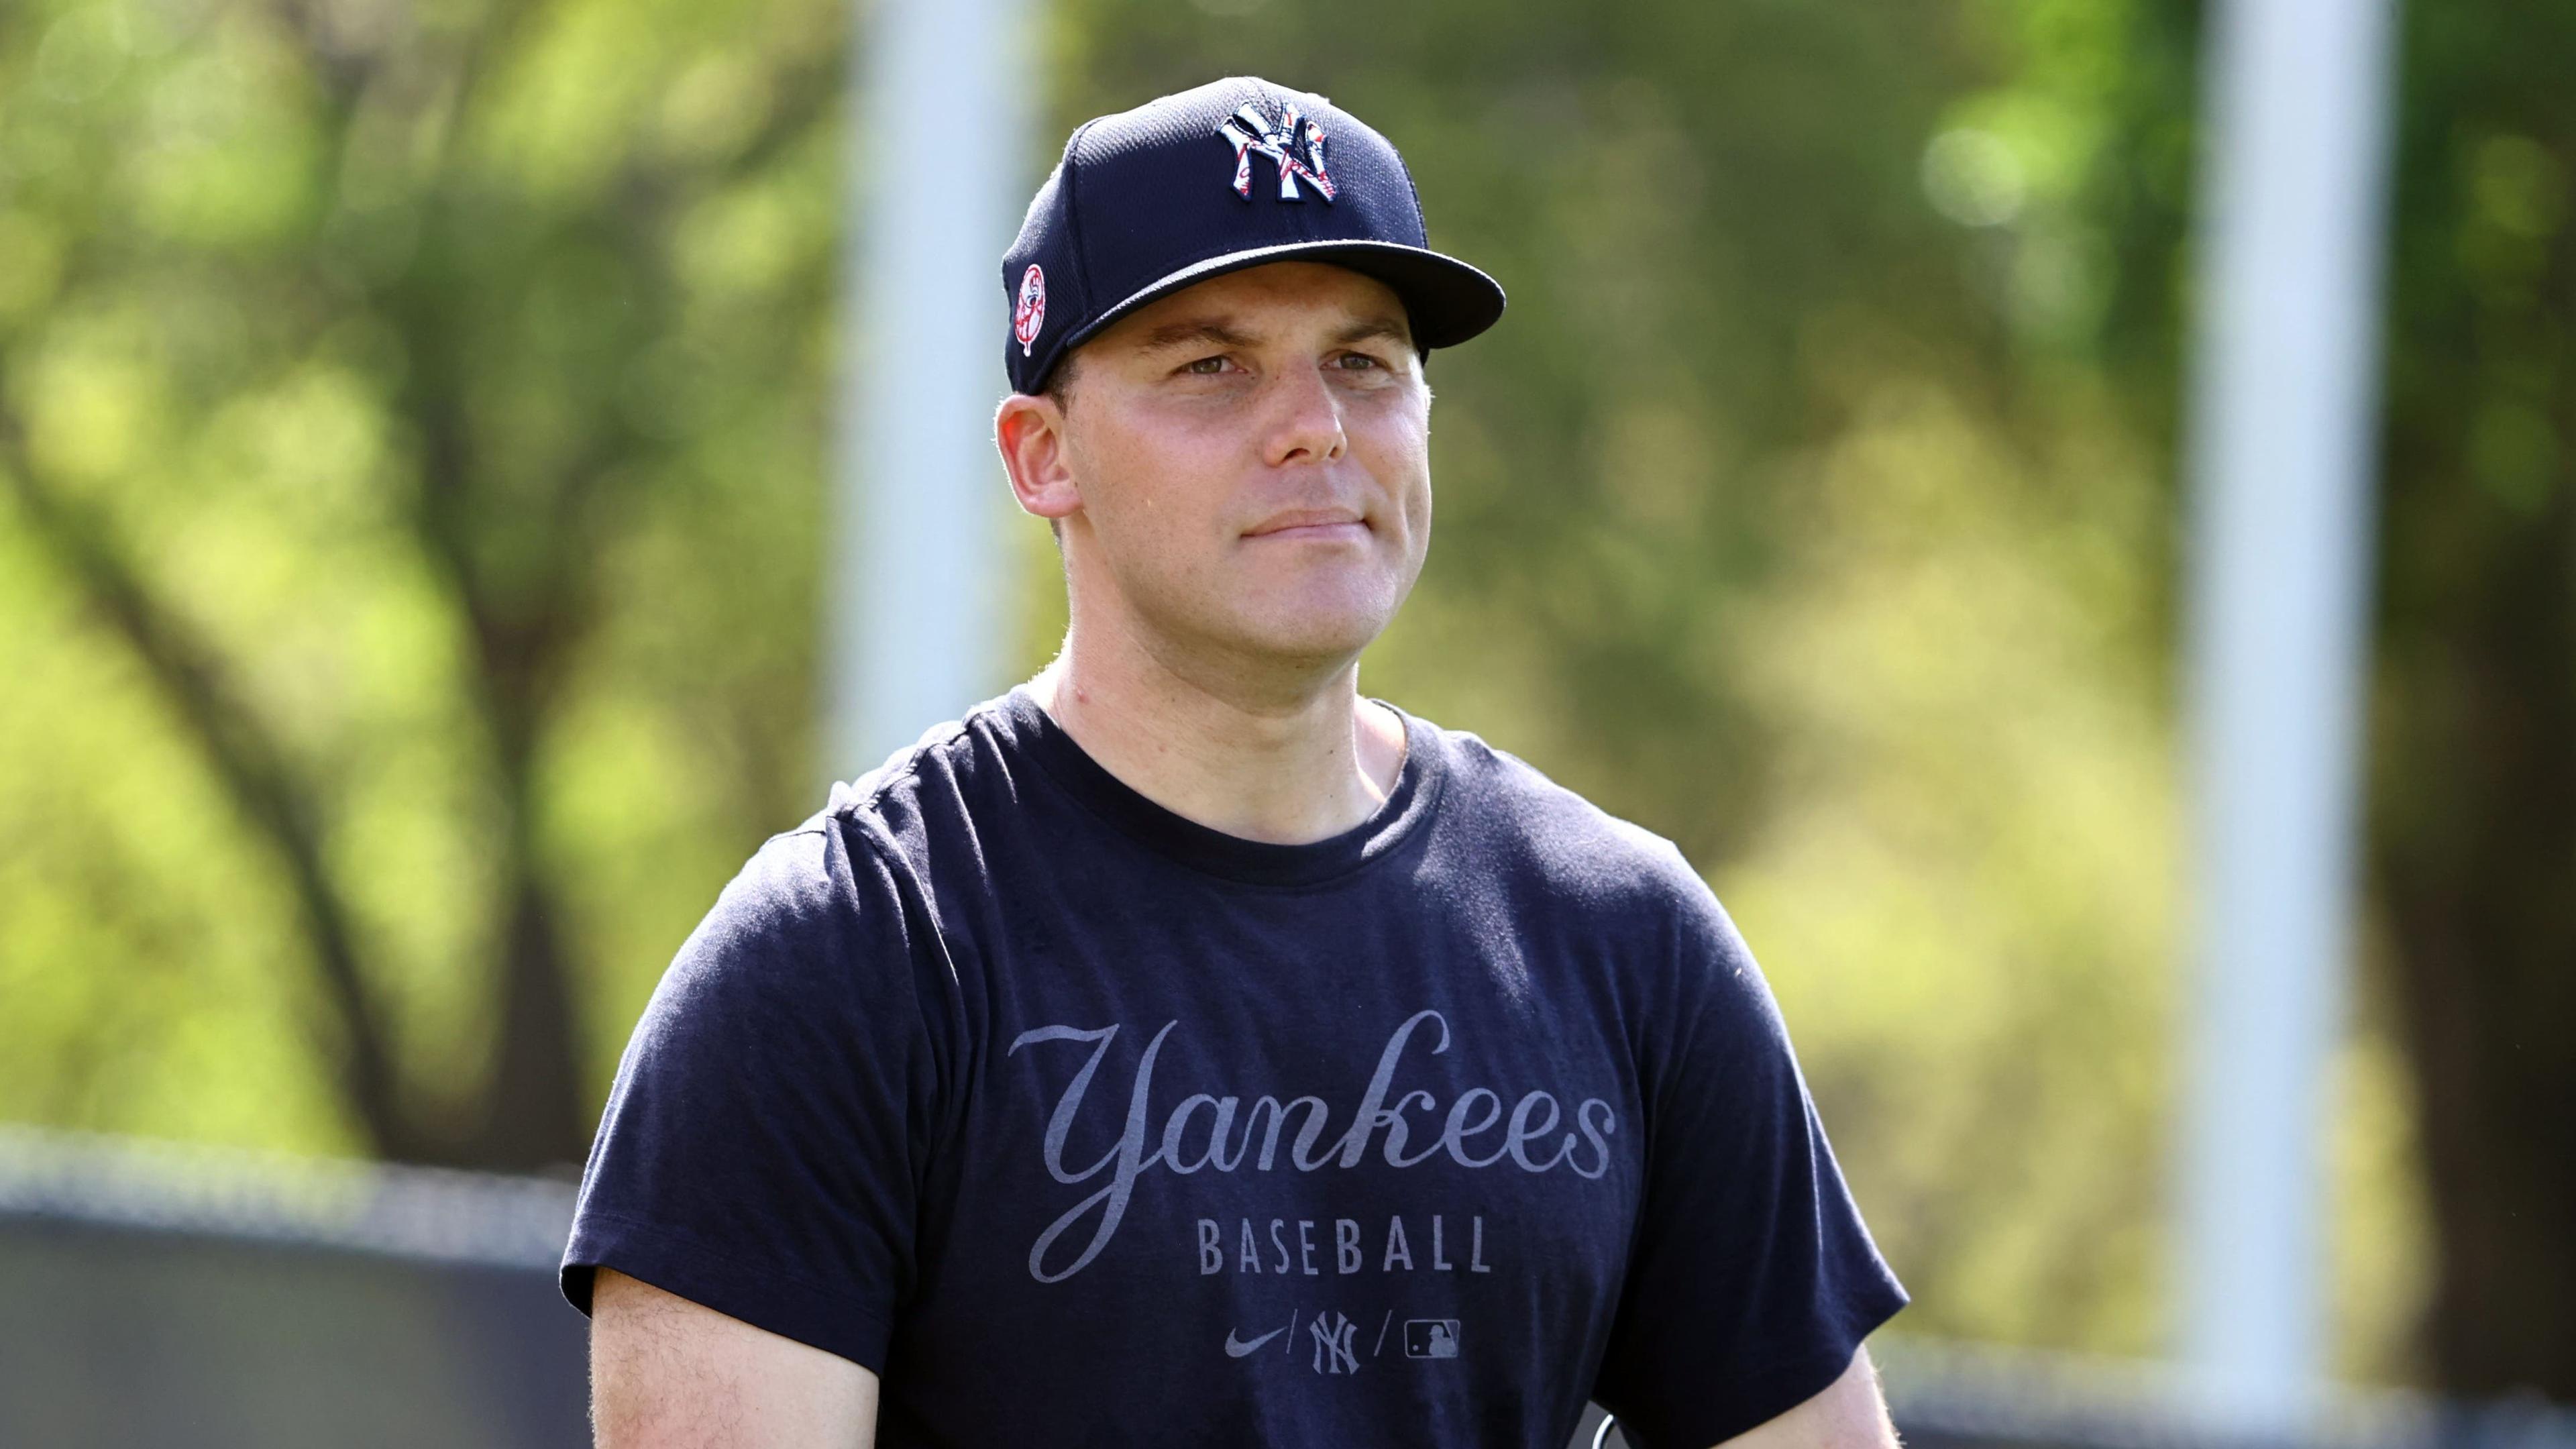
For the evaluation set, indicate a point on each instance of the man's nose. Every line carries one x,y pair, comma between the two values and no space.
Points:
1305,419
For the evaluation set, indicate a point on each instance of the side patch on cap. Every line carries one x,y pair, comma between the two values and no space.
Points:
1028,317
1248,131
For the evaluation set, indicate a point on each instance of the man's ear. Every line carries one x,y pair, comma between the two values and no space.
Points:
1029,429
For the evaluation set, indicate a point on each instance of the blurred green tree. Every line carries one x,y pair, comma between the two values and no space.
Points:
2473,808
368,372
2459,1131
2459,1153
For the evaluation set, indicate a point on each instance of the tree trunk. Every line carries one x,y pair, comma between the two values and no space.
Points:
2475,856
533,1119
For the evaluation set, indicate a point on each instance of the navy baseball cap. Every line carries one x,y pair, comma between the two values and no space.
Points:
1232,174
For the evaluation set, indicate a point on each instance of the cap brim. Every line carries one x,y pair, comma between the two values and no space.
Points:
1445,300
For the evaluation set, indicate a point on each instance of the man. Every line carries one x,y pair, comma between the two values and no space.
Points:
1183,1049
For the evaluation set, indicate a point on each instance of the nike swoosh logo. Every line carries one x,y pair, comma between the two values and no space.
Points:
1236,1348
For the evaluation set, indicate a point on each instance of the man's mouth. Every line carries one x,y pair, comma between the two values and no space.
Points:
1312,523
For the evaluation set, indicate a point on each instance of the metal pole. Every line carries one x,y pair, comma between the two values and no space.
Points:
935,192
2283,405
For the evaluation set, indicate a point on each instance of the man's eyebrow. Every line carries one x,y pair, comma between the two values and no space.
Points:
1379,328
1219,332
1193,330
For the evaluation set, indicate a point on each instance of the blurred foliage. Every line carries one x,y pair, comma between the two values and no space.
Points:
408,418
2474,713
411,418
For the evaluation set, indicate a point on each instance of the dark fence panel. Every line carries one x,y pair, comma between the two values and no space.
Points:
170,1297
128,1338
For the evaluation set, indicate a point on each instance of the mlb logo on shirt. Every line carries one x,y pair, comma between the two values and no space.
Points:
1431,1338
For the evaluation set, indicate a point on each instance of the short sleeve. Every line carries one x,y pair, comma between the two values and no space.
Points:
1753,1280
763,1145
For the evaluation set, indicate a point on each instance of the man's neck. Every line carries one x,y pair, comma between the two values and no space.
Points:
1288,766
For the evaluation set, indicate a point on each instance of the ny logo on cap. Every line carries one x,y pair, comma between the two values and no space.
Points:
1249,132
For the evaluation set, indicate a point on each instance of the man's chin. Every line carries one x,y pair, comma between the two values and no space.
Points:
1321,638
1321,614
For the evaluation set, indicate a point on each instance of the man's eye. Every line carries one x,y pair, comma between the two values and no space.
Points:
1206,366
1358,361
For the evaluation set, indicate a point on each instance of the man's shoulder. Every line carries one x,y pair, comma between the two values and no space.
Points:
885,807
1515,817
852,850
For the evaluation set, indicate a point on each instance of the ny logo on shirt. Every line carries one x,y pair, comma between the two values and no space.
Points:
1336,1345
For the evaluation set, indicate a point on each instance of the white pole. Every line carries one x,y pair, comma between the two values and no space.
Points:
936,188
2283,406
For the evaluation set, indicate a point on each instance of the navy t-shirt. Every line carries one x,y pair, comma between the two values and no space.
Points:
1083,1123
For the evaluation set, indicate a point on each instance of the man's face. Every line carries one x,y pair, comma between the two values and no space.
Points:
1252,462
